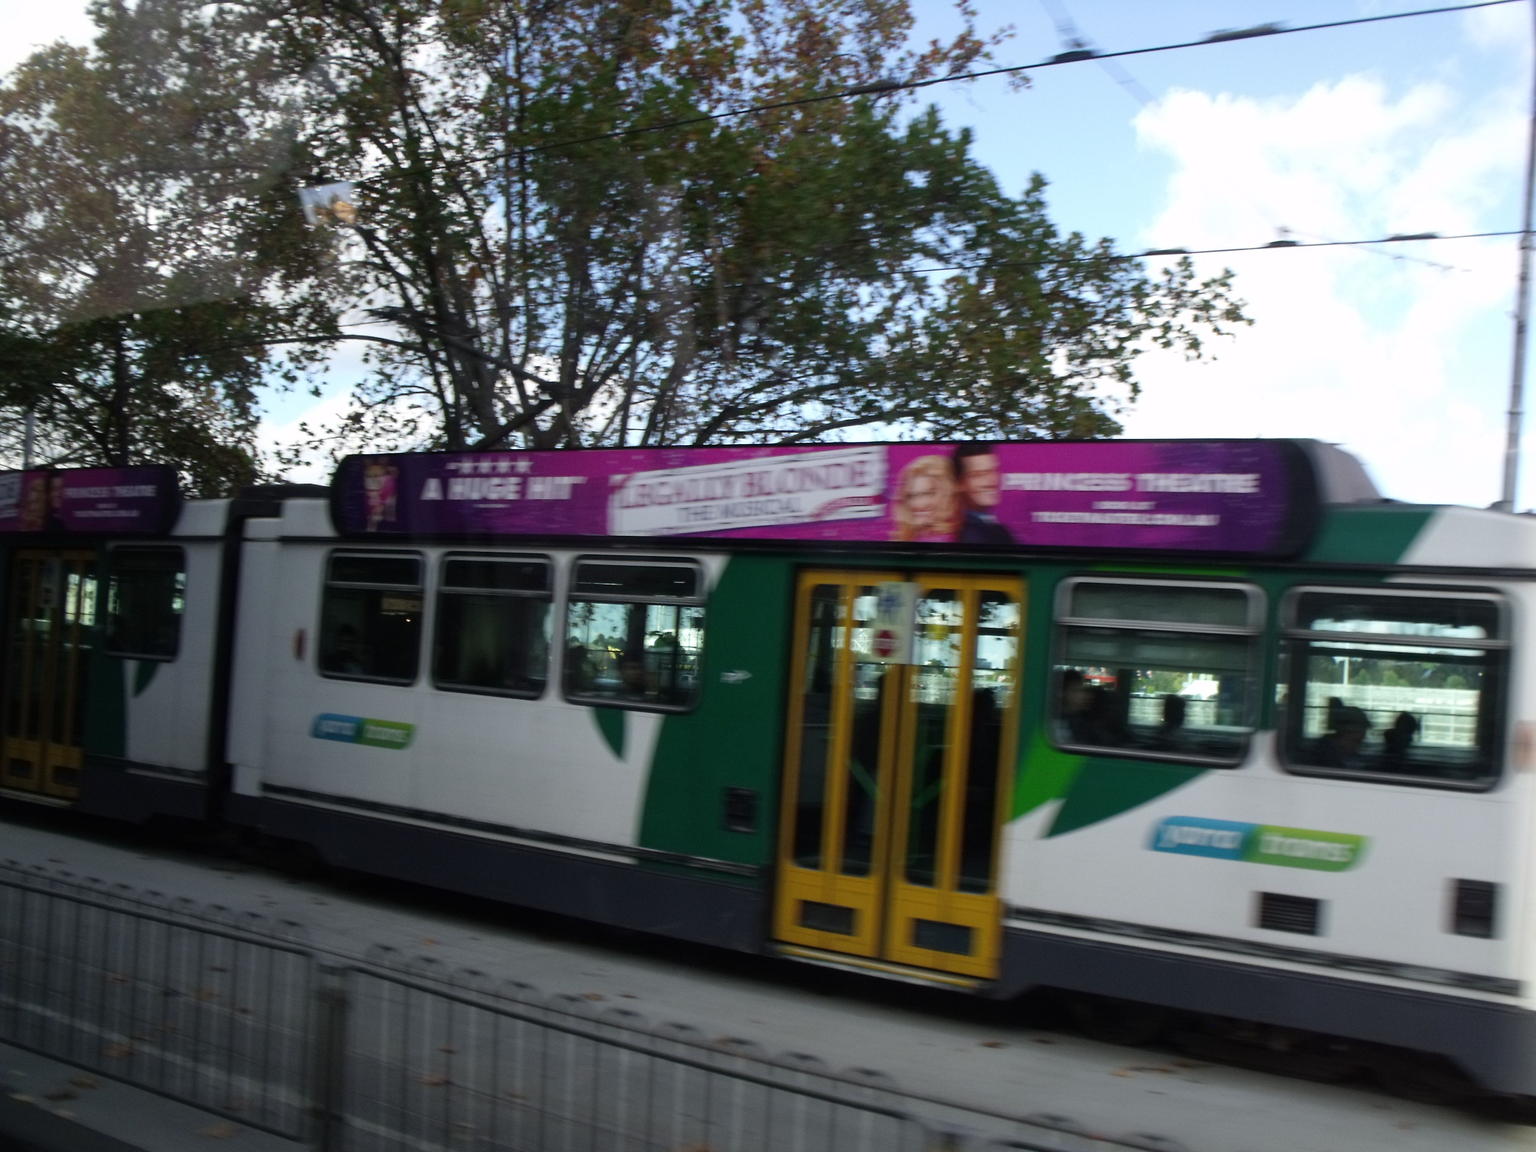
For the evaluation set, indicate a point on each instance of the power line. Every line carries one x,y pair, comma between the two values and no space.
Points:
345,327
350,330
885,87
1073,41
1272,246
1114,257
1225,36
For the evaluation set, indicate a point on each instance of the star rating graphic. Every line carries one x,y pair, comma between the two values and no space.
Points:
503,464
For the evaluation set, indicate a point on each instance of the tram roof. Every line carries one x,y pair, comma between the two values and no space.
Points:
1261,499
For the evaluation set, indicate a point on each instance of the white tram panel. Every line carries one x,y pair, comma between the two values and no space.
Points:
169,701
1500,543
259,648
1393,905
1517,916
492,762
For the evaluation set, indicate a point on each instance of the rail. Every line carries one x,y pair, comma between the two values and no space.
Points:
237,1015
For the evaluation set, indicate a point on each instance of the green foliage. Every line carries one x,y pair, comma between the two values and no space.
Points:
134,323
570,232
1157,682
581,244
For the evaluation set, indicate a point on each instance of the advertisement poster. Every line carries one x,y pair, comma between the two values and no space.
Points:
1241,497
142,500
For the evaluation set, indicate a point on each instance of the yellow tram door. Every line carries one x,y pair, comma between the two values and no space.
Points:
899,754
50,609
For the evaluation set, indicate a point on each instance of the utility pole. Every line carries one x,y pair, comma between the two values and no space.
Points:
1522,307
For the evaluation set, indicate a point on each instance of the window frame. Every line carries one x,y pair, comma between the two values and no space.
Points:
105,613
571,597
445,588
327,583
1253,629
1295,642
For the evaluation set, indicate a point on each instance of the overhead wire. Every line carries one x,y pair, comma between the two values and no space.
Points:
1077,50
885,87
1075,41
1110,257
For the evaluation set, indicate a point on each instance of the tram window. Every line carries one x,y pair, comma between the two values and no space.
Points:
1403,686
1165,670
634,631
493,621
146,594
370,617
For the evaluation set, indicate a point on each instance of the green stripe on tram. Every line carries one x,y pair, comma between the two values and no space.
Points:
1373,535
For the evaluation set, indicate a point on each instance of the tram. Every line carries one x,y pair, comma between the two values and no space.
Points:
1205,726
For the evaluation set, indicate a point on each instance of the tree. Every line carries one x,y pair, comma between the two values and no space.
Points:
583,222
137,297
578,241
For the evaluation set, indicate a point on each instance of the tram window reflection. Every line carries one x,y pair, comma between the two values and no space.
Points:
370,617
493,625
1164,670
1395,685
634,633
146,594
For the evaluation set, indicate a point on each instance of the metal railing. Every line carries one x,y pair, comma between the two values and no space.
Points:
199,1004
237,1015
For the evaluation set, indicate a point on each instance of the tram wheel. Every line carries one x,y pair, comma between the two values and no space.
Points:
1421,1077
1114,1021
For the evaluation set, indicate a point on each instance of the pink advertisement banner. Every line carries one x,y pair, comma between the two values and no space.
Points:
139,500
1228,496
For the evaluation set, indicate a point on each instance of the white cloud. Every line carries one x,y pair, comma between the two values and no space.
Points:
1495,29
286,411
1400,352
29,27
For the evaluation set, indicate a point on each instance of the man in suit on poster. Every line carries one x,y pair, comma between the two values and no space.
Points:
979,479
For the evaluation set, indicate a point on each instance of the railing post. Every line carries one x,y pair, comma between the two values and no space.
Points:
329,1071
941,1137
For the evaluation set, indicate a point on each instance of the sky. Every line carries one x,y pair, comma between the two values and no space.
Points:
1401,352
